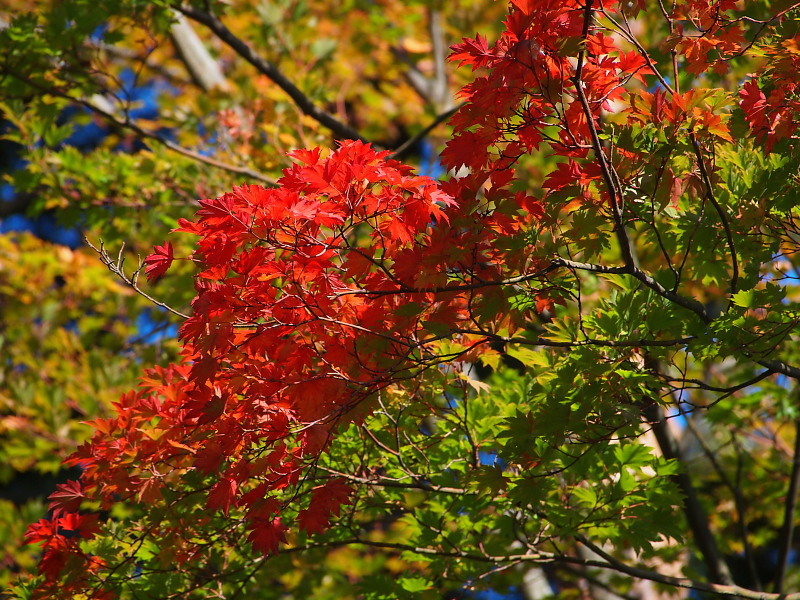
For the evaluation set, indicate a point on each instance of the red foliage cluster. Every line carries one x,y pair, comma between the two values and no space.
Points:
60,535
537,92
312,297
771,100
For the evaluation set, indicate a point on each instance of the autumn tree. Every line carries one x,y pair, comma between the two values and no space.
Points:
574,355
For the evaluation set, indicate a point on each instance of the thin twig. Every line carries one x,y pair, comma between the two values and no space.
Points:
419,484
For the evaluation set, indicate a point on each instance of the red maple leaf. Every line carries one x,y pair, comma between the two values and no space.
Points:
468,149
67,497
336,493
634,64
472,52
209,457
326,501
85,526
221,495
41,531
397,231
599,43
268,535
564,174
313,521
754,104
159,261
53,562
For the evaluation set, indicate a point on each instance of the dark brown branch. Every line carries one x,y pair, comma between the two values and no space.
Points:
303,102
626,247
403,150
776,17
626,33
732,591
478,284
635,343
772,366
169,73
695,514
787,529
688,303
418,484
607,562
698,384
720,213
777,366
638,343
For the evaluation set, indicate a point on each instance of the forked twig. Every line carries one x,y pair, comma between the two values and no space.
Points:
116,266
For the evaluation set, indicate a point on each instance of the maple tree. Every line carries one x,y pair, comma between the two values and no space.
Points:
507,369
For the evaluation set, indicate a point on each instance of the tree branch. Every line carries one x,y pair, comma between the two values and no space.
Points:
116,267
403,150
607,562
478,284
440,97
266,68
727,391
419,484
695,514
732,591
203,69
170,145
772,366
720,213
126,123
787,529
626,247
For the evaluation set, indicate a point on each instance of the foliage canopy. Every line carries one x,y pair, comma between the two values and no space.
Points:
574,354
